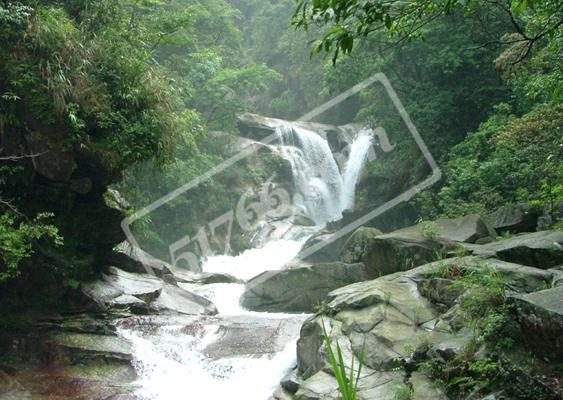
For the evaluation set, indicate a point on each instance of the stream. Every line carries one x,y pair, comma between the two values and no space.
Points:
240,354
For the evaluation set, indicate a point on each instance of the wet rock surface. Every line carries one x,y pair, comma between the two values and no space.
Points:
299,289
393,294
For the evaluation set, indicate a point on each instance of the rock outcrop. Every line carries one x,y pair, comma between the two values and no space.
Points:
141,293
541,316
542,249
299,289
397,323
514,218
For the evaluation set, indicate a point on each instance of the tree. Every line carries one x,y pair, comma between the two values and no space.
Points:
346,21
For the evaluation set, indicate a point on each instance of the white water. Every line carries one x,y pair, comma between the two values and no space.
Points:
171,357
173,366
274,255
324,191
359,150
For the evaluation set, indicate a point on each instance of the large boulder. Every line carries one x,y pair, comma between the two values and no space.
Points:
400,250
121,289
466,229
79,348
423,388
133,259
517,277
373,385
255,336
141,293
385,315
539,249
514,218
299,289
412,246
541,316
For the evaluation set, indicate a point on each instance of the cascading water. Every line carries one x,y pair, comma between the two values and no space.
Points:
239,354
359,150
324,191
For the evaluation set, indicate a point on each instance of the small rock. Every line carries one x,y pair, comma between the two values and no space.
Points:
424,389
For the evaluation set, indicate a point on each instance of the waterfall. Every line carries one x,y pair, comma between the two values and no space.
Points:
359,150
324,192
239,354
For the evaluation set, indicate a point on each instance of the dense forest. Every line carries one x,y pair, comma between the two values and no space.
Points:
142,96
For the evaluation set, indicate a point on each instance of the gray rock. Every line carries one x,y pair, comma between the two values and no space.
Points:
424,389
299,289
281,394
357,244
466,229
541,316
447,348
134,259
128,302
514,218
291,382
79,348
119,289
173,299
402,250
185,276
391,319
250,336
485,240
303,221
372,385
520,278
143,286
439,291
321,386
386,316
326,249
539,249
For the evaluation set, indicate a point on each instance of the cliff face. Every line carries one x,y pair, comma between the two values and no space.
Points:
69,180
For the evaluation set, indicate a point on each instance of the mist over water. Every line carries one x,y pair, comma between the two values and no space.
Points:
173,361
324,191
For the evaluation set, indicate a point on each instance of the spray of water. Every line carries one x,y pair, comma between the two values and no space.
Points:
172,363
324,191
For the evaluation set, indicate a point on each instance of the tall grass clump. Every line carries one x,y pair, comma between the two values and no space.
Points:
347,385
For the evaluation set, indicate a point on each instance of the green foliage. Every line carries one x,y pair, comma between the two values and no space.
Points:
430,229
508,160
348,386
347,21
495,359
17,236
403,392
